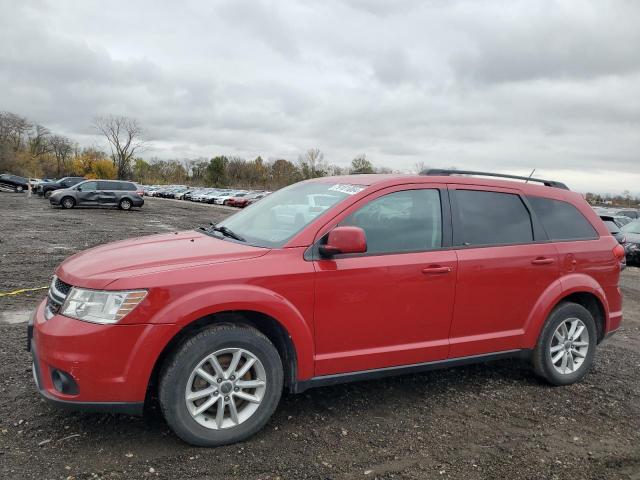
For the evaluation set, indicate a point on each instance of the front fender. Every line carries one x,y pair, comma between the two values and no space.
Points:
208,301
559,289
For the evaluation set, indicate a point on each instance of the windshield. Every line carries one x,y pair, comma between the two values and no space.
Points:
633,227
275,219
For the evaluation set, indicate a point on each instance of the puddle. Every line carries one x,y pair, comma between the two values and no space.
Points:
15,316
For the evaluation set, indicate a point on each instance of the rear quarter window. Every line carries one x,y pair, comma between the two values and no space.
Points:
561,220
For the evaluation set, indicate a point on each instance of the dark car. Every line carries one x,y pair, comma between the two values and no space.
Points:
47,188
632,214
99,193
631,231
14,182
614,225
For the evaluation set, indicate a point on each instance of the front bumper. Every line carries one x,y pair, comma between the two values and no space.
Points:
111,364
54,200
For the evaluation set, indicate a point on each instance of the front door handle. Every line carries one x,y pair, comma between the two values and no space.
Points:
542,261
436,270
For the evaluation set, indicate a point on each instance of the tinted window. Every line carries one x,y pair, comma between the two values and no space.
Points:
561,220
405,221
491,218
110,185
611,226
89,186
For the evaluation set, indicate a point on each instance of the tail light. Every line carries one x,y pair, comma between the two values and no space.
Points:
315,209
618,252
140,192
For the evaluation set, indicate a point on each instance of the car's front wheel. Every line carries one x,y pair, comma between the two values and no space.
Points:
567,345
67,202
19,189
221,386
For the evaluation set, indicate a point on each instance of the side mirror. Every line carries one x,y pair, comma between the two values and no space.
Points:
79,188
344,240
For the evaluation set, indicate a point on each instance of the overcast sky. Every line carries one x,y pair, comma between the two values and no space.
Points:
494,85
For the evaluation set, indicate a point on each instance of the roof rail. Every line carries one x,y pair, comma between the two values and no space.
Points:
445,172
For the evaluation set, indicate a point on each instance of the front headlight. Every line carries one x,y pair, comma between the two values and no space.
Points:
101,306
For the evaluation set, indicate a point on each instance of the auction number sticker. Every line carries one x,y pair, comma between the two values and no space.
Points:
347,188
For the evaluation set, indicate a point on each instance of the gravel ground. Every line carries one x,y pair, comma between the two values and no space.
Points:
486,421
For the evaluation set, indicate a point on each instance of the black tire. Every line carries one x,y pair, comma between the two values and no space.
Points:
19,189
67,202
125,204
47,193
542,362
177,370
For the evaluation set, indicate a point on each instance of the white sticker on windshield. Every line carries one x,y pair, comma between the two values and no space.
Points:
347,188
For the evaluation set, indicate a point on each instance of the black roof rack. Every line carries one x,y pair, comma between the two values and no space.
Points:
445,172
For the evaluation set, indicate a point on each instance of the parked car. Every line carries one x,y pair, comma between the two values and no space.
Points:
255,199
99,193
242,201
632,214
14,182
47,188
393,274
631,231
614,225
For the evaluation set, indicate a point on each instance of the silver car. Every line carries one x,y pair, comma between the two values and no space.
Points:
99,193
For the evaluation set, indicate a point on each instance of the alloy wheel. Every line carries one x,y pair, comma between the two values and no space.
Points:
569,346
226,388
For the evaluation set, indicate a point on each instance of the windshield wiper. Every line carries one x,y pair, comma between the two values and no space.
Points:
224,231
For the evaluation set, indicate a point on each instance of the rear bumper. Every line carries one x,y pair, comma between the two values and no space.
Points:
138,202
110,364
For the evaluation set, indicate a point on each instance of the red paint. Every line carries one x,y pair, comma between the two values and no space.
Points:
343,314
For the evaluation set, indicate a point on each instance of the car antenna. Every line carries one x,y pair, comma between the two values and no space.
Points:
530,175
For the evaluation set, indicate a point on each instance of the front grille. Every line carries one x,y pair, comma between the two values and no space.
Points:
58,291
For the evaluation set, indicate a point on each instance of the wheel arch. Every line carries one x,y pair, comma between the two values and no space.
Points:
577,288
266,324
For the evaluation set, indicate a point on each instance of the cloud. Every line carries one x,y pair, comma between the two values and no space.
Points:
493,85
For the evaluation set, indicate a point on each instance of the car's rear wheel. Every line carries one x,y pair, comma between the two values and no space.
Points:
125,204
68,202
221,386
566,347
19,188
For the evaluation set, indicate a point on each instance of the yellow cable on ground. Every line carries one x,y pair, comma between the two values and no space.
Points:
22,290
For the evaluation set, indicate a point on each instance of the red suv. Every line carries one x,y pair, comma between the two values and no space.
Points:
378,275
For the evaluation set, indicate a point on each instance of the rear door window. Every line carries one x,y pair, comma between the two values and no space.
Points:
491,218
561,220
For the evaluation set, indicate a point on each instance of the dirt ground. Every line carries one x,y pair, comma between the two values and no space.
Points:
487,421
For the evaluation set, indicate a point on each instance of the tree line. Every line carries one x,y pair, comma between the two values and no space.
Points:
32,150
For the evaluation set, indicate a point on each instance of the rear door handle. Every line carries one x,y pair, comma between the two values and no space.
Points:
436,270
542,261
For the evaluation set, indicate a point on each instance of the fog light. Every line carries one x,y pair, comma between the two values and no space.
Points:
63,382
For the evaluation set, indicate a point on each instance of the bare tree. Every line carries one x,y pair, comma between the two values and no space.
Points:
124,135
419,167
39,141
312,164
62,148
13,128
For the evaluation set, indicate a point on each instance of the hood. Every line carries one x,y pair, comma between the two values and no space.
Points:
98,267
